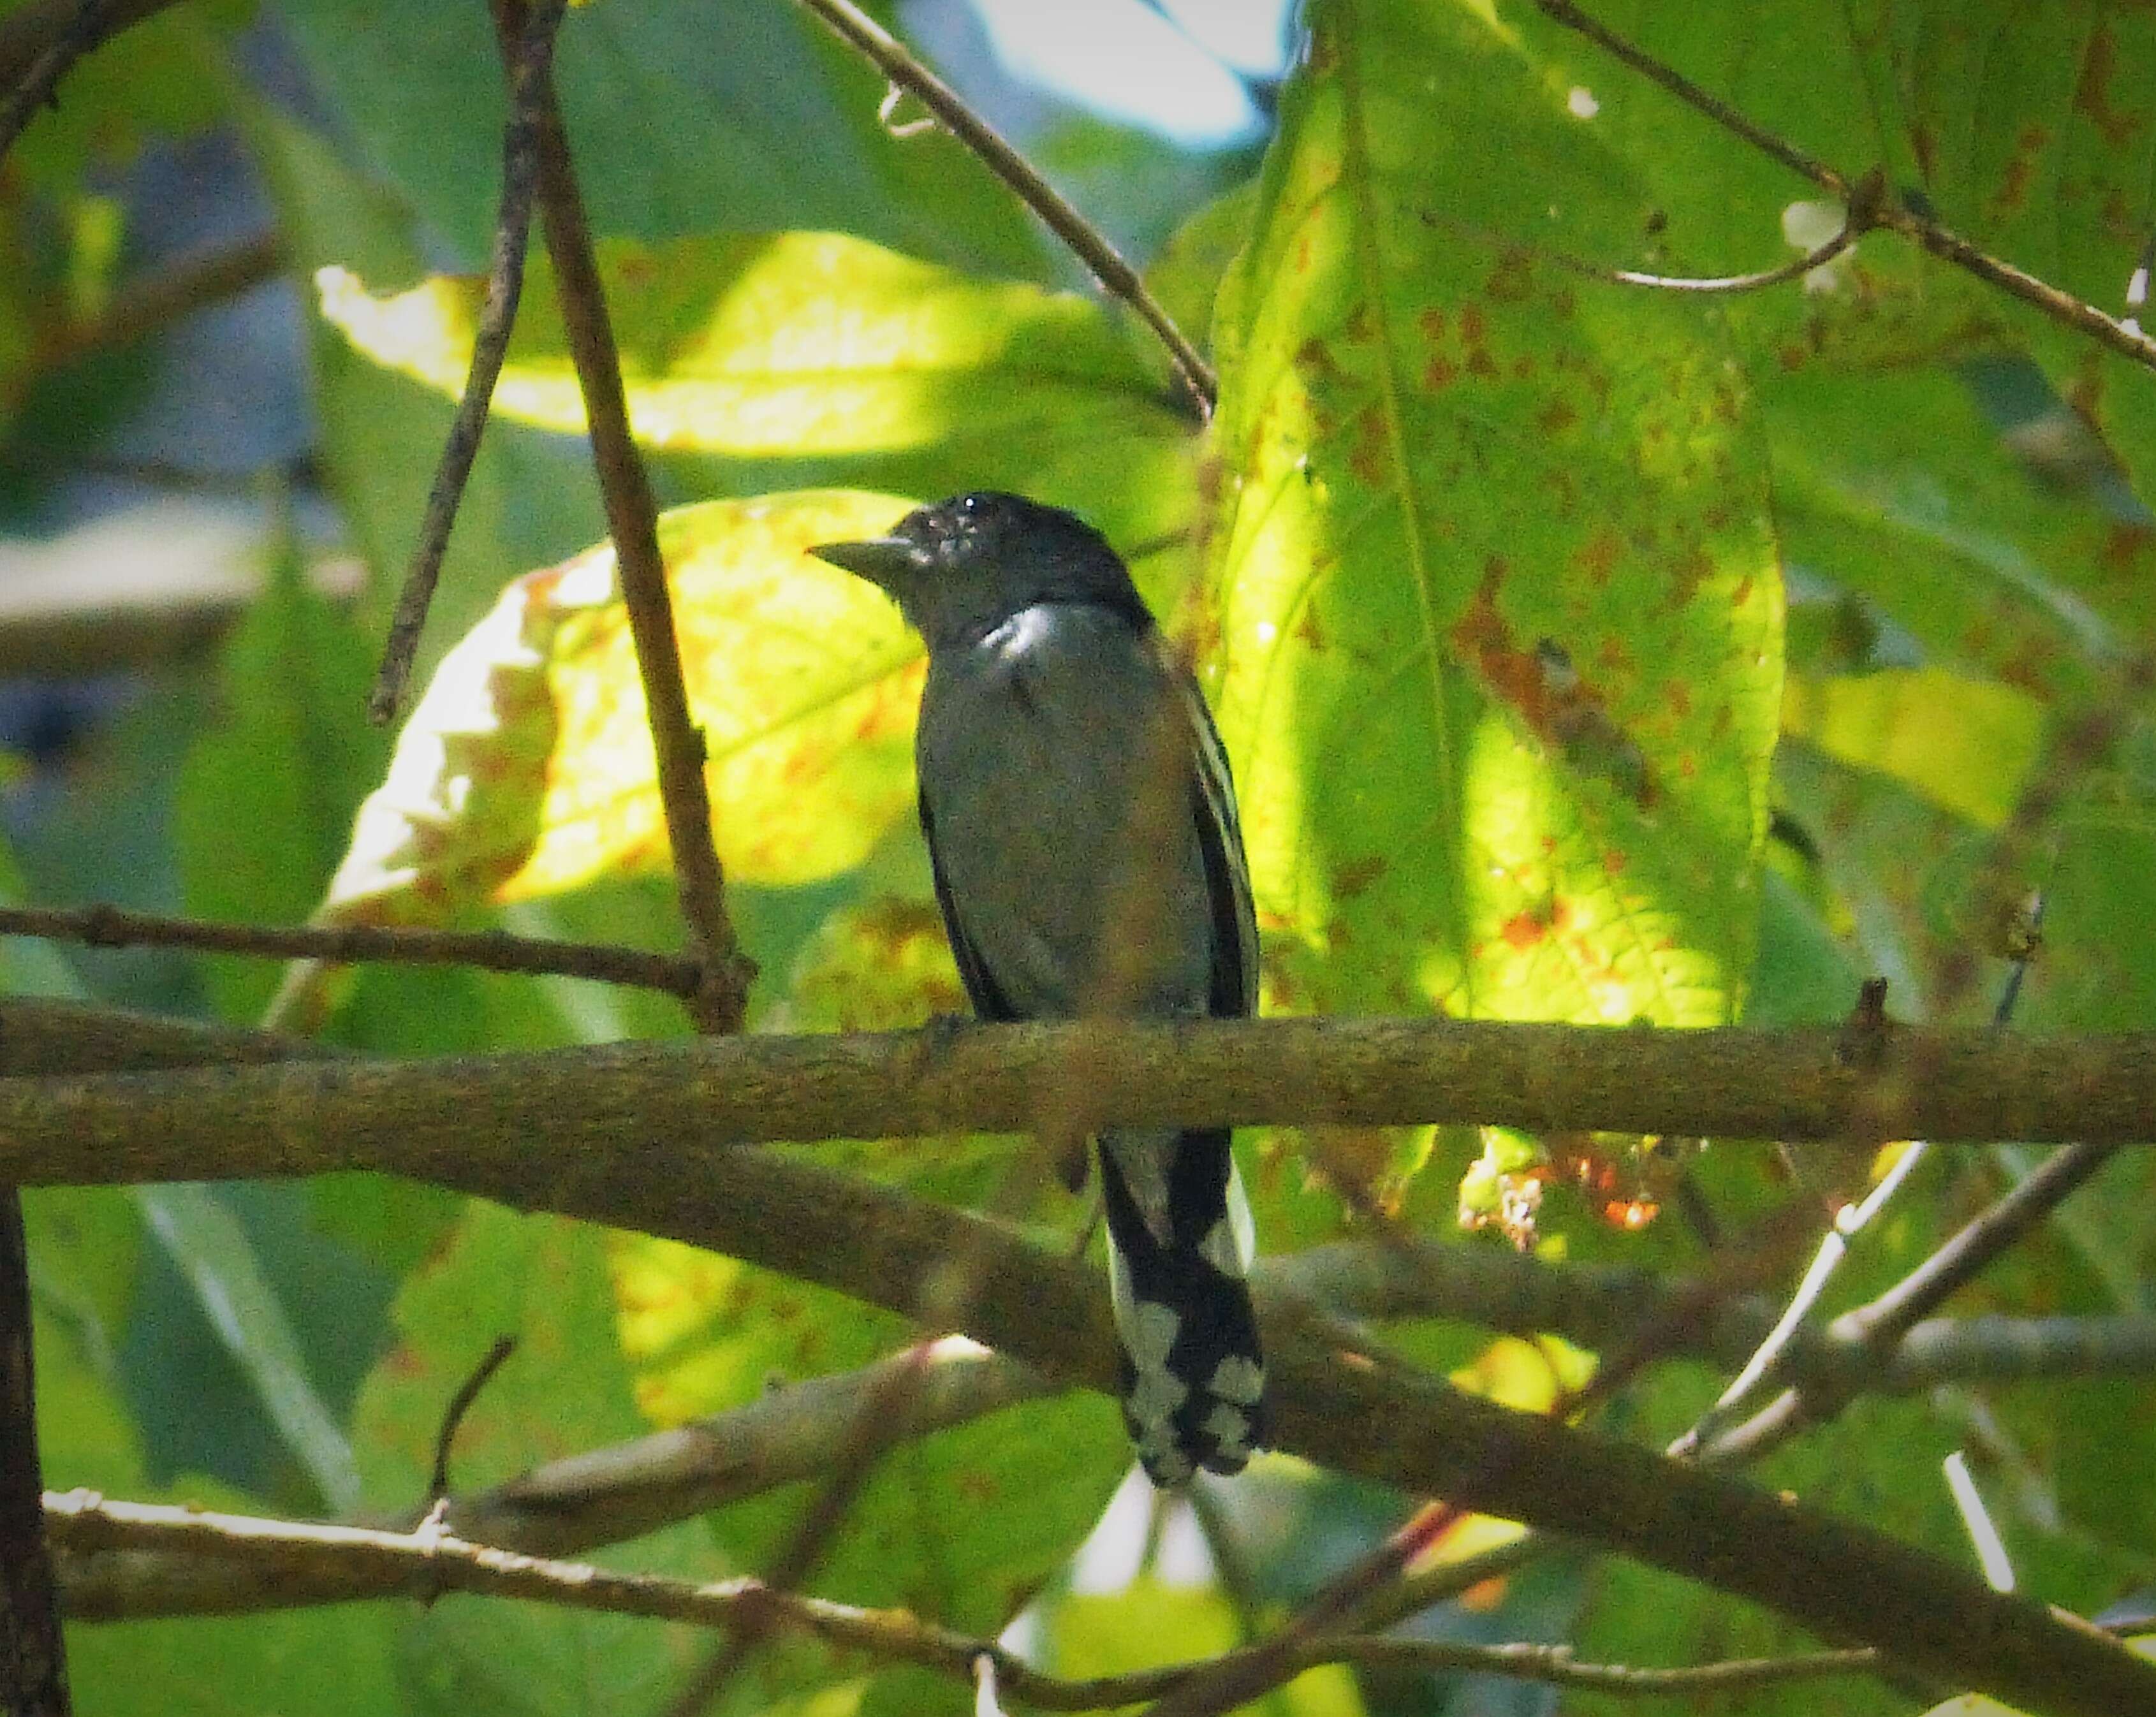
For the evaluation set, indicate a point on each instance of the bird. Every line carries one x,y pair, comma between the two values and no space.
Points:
1088,858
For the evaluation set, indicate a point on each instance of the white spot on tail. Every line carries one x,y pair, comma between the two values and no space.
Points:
1231,1432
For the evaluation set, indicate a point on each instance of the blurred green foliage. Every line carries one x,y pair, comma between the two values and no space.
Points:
1585,652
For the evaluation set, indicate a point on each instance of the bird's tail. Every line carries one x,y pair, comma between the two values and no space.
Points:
1179,1241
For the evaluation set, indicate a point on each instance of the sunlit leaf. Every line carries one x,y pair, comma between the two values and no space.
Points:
528,766
800,343
1498,645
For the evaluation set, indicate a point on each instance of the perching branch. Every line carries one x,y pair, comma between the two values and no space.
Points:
866,37
523,1112
1344,1410
1844,1582
1893,213
526,71
633,522
103,926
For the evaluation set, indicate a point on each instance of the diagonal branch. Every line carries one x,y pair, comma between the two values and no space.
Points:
29,33
868,39
89,23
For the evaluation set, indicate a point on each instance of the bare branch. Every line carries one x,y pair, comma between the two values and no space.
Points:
866,37
1842,1580
1894,1313
1346,1410
526,71
633,522
421,1564
103,926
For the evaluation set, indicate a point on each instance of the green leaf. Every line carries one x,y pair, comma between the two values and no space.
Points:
801,343
1498,628
148,82
528,766
540,1279
564,1390
683,118
286,759
1186,276
1893,486
212,1250
86,1246
335,1661
1966,744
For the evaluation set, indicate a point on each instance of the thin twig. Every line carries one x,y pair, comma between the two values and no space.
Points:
1885,1320
89,25
633,521
877,1424
420,1563
1240,1678
103,926
1858,218
1961,1259
1768,143
1895,214
1841,1233
528,69
861,33
459,1404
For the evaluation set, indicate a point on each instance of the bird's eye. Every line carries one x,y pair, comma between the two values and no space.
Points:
968,506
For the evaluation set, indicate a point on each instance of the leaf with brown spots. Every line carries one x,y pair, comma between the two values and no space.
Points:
1497,598
527,767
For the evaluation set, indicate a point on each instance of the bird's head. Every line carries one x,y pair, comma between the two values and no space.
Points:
962,568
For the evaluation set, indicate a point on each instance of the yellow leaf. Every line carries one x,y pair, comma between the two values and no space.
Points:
527,766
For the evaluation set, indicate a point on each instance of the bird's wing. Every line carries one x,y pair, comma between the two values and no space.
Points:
988,1000
1234,990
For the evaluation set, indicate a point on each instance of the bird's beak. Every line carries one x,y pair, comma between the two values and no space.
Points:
883,560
